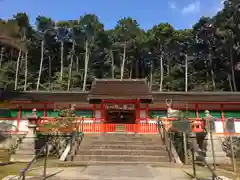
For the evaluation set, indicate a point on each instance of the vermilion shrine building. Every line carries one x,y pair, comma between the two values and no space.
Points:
115,101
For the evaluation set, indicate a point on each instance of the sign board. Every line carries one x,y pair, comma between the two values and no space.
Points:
120,106
230,125
182,126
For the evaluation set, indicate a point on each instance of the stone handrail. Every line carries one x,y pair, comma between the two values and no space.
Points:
168,142
72,146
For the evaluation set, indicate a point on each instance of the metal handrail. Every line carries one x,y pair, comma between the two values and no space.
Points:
165,136
75,143
194,151
23,172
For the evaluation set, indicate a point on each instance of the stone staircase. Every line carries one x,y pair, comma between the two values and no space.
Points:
122,149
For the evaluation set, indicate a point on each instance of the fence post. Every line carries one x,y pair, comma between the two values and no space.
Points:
45,161
23,176
185,147
193,162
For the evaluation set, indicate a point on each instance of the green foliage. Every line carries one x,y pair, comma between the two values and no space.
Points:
212,48
59,130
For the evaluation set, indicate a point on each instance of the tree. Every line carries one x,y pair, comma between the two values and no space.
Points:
68,54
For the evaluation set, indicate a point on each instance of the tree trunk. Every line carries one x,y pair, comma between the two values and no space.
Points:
161,75
230,82
77,64
131,69
123,60
17,70
86,65
11,55
1,56
21,62
41,64
70,67
186,73
151,76
232,70
49,72
168,65
62,51
26,71
207,75
212,71
112,64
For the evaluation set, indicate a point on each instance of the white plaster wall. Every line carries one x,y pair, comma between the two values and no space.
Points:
23,125
143,116
98,116
219,126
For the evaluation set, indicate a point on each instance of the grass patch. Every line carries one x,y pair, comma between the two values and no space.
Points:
4,155
11,169
15,168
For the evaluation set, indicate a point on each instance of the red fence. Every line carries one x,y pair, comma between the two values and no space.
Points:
138,128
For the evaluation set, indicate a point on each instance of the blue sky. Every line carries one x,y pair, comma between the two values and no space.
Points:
179,13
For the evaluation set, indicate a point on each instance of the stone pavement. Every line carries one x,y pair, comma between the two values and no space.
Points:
116,172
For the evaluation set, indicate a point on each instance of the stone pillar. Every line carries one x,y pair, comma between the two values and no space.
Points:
26,150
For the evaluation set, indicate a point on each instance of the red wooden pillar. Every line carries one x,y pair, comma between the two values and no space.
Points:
102,117
102,113
222,116
19,117
137,124
147,108
196,108
94,113
137,112
45,110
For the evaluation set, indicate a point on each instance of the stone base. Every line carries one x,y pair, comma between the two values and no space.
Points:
220,155
25,151
218,160
21,158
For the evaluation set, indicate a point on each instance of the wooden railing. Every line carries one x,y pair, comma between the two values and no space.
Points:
134,128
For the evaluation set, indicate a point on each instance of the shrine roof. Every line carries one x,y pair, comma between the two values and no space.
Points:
120,89
82,97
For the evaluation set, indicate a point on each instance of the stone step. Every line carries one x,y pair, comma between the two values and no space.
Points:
122,146
25,147
100,163
121,152
121,158
21,157
218,160
123,142
122,136
23,152
217,154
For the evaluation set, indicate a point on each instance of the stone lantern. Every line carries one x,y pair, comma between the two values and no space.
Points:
28,145
32,123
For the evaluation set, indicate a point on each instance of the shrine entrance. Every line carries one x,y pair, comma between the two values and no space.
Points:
120,117
121,105
119,113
